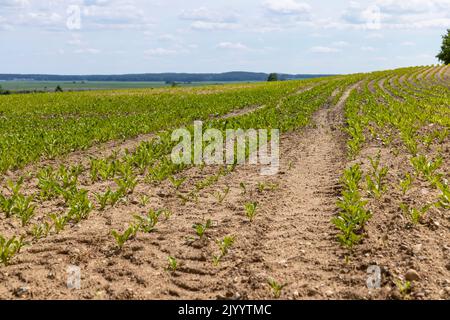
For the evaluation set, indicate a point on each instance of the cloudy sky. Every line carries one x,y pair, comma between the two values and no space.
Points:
292,36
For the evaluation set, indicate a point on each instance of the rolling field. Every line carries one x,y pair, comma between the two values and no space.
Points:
92,85
87,182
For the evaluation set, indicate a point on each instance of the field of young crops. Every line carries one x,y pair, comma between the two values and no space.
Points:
360,208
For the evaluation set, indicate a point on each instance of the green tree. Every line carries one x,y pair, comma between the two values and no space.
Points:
58,89
272,77
444,55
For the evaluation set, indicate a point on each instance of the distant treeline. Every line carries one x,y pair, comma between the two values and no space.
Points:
159,77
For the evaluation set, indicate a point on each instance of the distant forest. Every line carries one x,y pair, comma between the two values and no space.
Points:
158,77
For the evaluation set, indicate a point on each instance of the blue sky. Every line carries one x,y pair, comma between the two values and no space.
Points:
291,36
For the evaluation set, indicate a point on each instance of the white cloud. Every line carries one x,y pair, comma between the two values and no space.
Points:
321,49
159,52
205,14
287,7
88,51
408,44
205,19
395,14
204,25
232,46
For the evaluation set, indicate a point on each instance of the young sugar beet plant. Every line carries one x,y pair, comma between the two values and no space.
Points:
406,183
201,228
173,264
9,248
375,185
353,215
148,223
444,198
414,214
122,238
250,210
17,204
224,246
220,196
276,287
427,168
39,231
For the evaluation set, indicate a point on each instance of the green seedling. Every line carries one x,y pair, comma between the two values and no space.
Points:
177,182
201,228
9,248
414,214
39,231
59,221
173,264
148,223
243,188
224,246
405,184
220,196
250,210
122,238
144,200
103,198
276,287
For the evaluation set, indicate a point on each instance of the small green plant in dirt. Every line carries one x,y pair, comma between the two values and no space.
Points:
177,183
375,185
24,209
148,223
166,213
9,248
220,196
414,214
243,187
406,183
126,184
59,221
352,216
122,238
276,288
224,246
173,264
201,228
103,198
444,198
79,206
144,200
427,167
404,287
17,203
261,187
39,231
250,210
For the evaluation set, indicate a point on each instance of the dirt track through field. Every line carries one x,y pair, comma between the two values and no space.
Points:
299,247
